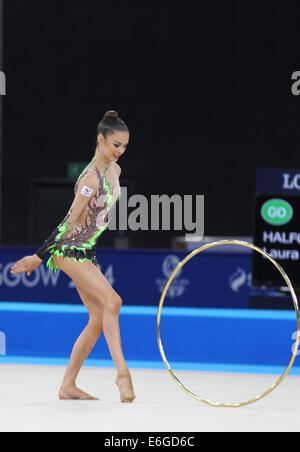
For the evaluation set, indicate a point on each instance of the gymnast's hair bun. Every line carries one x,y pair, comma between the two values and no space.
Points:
111,114
110,124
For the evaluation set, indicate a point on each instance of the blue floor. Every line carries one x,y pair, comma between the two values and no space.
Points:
198,367
253,342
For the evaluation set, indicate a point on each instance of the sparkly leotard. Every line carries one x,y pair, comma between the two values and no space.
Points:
78,240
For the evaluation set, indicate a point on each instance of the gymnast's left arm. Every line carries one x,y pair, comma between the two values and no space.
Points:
118,169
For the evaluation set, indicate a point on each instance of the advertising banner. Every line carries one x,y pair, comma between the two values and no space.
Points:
139,277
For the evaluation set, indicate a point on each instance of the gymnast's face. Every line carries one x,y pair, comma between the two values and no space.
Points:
114,146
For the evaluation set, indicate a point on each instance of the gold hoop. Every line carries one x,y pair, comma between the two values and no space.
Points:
295,301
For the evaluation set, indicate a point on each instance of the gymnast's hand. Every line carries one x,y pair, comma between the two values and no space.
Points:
27,264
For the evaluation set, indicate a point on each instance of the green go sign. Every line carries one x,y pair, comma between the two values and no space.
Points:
277,212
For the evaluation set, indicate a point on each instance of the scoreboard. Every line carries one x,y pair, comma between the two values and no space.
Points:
277,231
277,226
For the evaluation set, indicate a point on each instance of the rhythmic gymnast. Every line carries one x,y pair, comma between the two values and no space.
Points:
72,248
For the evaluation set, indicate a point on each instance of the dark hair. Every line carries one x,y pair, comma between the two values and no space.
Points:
110,124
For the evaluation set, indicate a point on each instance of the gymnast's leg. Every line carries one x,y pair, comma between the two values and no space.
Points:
82,349
103,304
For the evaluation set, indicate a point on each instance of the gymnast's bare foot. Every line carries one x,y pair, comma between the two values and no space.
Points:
73,393
124,382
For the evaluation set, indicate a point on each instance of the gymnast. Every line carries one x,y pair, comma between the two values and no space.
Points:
72,248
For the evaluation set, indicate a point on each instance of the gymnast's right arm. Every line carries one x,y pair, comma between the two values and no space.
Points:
43,250
86,190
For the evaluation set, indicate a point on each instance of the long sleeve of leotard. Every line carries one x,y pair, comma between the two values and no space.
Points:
86,190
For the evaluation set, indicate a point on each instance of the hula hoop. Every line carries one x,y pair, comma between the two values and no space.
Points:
296,307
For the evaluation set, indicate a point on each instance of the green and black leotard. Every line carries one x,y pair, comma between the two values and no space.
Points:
88,218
